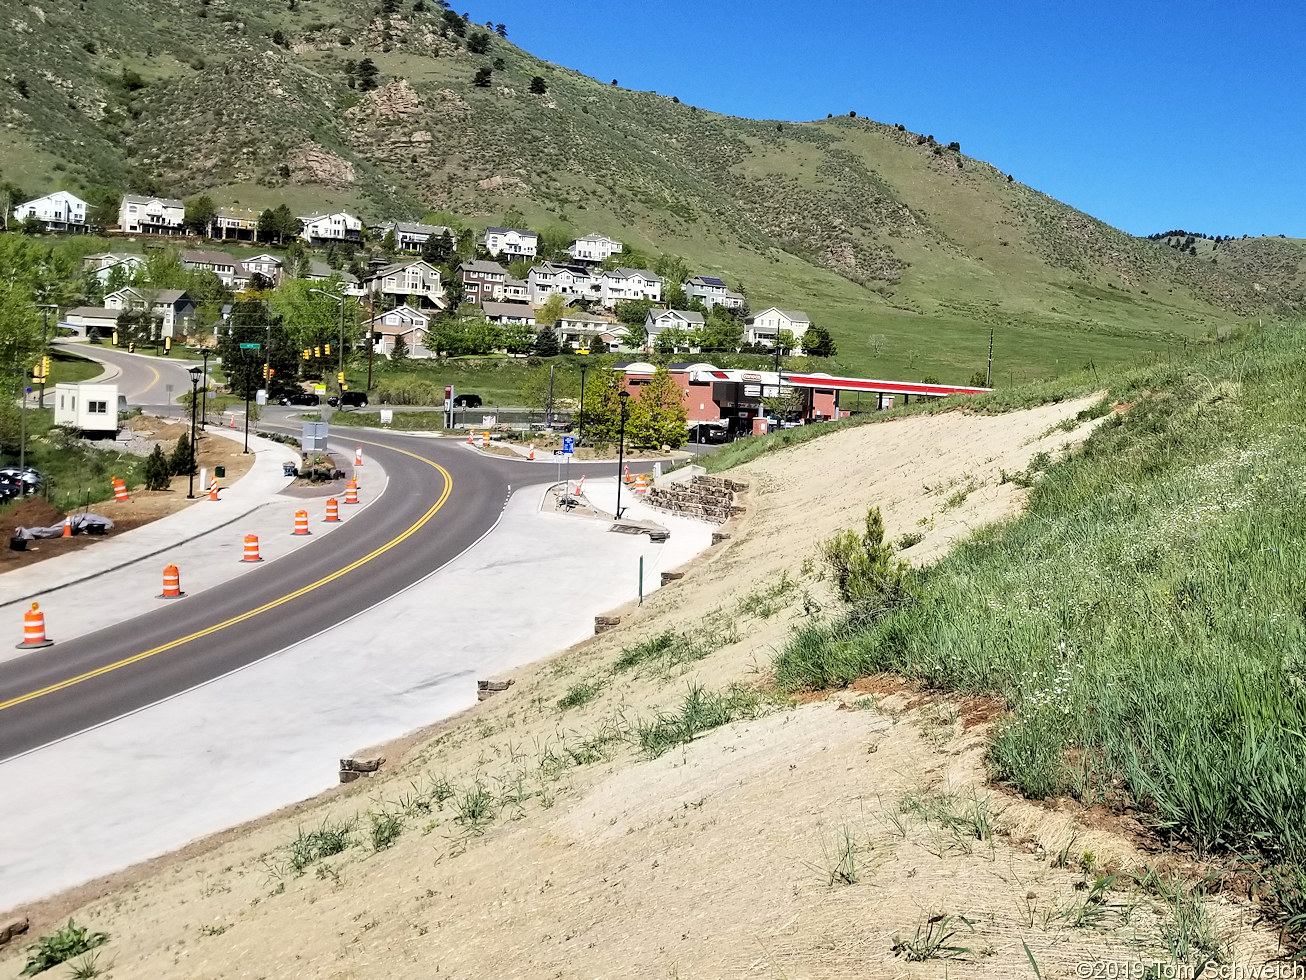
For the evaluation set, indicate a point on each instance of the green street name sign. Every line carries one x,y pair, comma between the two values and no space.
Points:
251,346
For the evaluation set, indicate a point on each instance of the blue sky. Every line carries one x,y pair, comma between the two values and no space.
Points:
1150,115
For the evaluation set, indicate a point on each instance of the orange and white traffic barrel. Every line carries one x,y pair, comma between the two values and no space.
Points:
301,522
171,583
351,492
332,510
34,629
120,490
251,548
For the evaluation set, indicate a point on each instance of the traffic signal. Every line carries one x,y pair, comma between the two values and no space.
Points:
317,351
328,350
131,347
265,372
307,353
272,373
340,377
45,367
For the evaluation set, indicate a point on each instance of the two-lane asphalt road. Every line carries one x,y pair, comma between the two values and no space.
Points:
141,379
440,499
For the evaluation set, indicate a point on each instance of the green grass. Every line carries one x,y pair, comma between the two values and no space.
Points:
700,711
60,946
326,841
75,474
1143,620
580,694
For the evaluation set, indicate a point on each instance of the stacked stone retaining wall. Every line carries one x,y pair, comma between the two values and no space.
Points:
708,498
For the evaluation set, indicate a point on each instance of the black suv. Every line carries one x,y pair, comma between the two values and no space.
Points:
467,401
348,399
301,397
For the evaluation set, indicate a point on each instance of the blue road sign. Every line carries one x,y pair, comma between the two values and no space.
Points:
568,445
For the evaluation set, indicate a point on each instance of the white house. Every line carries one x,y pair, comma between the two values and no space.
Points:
410,236
103,264
617,285
583,331
335,227
91,320
571,282
402,321
402,280
657,321
88,406
240,223
593,248
150,215
516,243
59,211
763,328
516,290
173,309
508,313
711,291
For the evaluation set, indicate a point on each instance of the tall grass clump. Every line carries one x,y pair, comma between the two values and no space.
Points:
1145,619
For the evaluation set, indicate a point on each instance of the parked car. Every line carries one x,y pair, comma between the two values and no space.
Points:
467,401
31,480
349,399
301,397
8,491
704,433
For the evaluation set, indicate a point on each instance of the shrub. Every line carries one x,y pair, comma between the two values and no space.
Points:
182,460
60,946
863,566
157,470
537,86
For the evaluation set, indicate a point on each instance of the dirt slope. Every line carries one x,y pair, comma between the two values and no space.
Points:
808,841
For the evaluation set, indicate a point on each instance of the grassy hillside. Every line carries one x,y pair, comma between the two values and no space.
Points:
909,251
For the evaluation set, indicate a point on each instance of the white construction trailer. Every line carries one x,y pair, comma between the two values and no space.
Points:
88,407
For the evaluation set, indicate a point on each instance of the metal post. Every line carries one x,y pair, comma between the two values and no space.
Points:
194,411
371,349
204,417
247,389
624,396
45,329
641,580
340,348
988,372
548,415
22,441
580,436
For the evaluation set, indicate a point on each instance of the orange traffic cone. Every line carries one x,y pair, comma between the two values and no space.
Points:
251,548
233,420
67,527
532,455
581,485
34,629
485,440
171,583
358,455
627,474
301,522
471,437
213,489
333,510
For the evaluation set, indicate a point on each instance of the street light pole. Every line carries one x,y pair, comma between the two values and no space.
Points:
194,406
624,396
204,417
45,330
248,382
580,436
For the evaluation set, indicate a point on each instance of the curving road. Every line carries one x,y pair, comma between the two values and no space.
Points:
440,499
142,379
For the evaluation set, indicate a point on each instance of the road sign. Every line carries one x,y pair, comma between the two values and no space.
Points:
387,416
251,346
568,445
313,439
557,452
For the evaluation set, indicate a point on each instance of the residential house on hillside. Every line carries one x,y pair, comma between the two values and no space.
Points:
617,285
571,282
91,320
334,227
219,263
516,290
238,223
319,271
402,321
482,280
516,243
711,291
583,331
266,265
410,236
505,313
657,321
765,326
593,248
150,215
405,282
59,211
173,309
103,264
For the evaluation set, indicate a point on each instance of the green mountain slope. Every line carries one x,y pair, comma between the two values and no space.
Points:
906,249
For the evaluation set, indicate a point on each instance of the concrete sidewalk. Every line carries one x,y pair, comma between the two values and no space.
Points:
114,580
151,781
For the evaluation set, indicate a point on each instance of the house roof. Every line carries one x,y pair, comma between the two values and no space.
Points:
708,281
248,214
583,317
689,316
483,266
508,309
65,195
504,231
167,202
95,311
393,267
411,315
265,257
170,296
209,256
623,273
415,228
515,282
788,314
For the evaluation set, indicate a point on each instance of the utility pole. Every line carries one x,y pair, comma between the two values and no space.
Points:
548,415
45,330
580,436
988,372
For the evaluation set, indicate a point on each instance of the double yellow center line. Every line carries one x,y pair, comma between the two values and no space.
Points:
266,607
